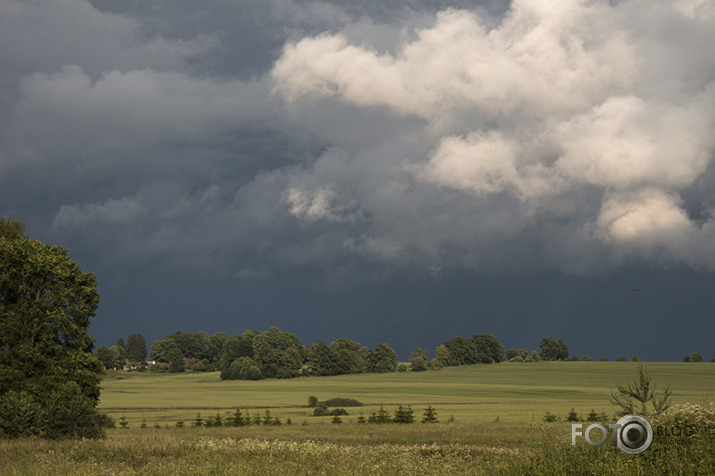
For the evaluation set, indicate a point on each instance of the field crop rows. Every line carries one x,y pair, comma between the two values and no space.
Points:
513,392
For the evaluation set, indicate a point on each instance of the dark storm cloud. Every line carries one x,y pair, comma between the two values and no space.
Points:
369,151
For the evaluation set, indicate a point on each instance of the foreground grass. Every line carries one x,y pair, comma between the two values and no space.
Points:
348,449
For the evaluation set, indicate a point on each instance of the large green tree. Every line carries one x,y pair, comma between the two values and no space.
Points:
323,360
554,349
46,302
419,360
136,348
461,351
277,353
384,359
352,357
489,349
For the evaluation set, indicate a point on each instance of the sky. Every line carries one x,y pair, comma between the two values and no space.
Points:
387,171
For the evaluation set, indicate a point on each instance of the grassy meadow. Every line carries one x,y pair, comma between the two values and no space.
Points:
513,392
497,425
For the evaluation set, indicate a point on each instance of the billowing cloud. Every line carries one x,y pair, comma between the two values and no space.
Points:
629,142
531,119
646,223
544,58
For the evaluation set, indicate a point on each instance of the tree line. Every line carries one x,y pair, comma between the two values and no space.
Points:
274,353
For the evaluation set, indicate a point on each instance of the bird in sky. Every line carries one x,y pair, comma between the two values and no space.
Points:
636,290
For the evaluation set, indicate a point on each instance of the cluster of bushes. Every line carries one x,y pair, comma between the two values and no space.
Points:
573,416
237,418
323,408
403,414
696,357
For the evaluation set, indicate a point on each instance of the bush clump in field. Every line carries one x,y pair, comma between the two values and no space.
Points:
322,410
550,418
342,402
687,415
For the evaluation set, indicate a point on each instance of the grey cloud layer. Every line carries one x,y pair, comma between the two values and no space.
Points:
570,135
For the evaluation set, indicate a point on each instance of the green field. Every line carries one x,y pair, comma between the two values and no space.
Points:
497,426
510,391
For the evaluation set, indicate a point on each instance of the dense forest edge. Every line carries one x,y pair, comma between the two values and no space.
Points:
274,353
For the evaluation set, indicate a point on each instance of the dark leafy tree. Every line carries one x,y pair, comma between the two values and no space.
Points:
322,360
352,357
461,351
160,348
215,349
235,347
46,302
277,353
441,356
553,349
11,229
111,357
201,346
696,357
121,344
419,361
176,360
136,348
384,359
488,348
244,368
